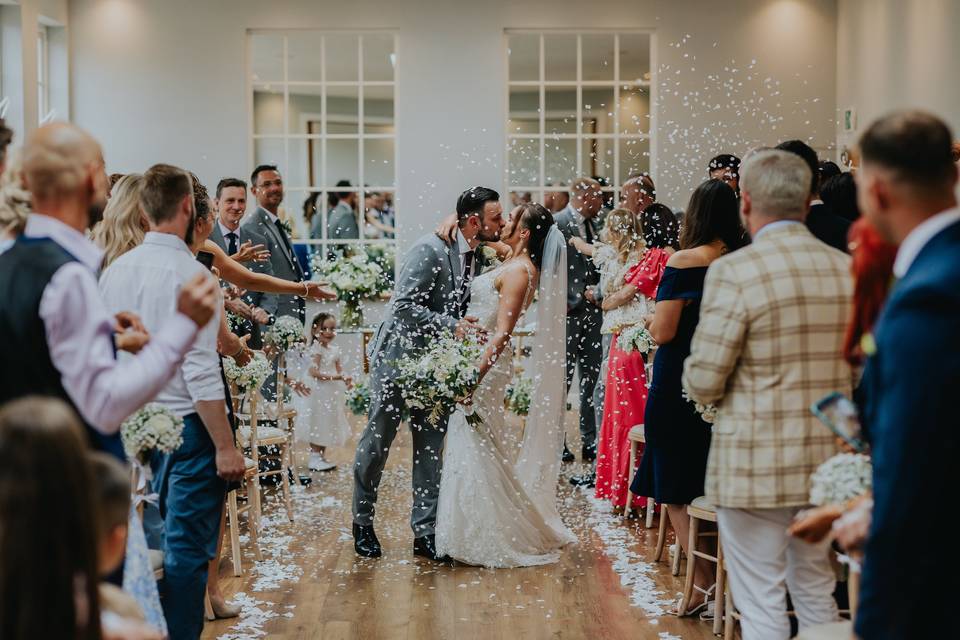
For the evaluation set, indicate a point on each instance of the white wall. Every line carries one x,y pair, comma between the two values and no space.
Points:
894,54
165,81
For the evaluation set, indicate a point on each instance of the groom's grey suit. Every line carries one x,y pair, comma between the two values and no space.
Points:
426,300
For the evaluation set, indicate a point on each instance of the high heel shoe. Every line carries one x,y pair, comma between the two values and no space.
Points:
219,609
692,611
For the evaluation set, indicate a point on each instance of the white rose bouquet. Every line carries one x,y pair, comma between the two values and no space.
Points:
707,411
251,375
354,277
518,395
154,427
841,478
442,374
636,338
285,332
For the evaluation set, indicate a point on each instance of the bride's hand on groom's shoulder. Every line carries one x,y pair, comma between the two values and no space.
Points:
447,229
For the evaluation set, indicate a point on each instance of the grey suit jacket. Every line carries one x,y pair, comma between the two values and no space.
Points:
342,223
282,261
425,300
581,272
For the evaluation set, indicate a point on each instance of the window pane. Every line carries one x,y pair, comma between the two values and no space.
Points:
343,63
560,160
634,158
524,54
560,53
266,58
634,110
379,219
306,107
378,58
598,109
268,113
378,109
524,110
524,160
270,151
634,57
378,162
343,159
561,110
313,211
597,57
343,110
598,159
304,60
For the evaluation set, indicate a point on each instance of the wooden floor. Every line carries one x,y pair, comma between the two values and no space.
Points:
312,585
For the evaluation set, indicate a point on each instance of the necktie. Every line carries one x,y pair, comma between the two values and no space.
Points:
465,284
231,243
588,226
283,235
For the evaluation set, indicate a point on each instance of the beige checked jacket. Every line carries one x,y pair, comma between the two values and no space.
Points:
767,347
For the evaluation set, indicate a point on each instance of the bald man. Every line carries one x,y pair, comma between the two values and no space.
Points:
59,338
638,193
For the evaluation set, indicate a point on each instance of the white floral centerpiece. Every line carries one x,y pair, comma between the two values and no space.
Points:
152,428
636,338
355,278
841,478
439,376
285,332
518,395
251,375
708,412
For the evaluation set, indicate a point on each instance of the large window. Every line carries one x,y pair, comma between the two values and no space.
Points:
580,103
43,74
322,111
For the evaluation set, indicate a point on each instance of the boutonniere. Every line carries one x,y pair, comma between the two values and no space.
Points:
489,259
286,226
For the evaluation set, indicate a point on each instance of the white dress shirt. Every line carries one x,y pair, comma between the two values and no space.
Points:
79,332
225,230
147,280
917,239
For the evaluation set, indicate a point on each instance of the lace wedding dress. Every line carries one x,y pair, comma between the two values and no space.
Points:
485,515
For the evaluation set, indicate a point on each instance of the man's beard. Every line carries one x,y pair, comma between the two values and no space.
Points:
488,236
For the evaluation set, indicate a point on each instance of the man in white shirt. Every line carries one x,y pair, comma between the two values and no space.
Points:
190,481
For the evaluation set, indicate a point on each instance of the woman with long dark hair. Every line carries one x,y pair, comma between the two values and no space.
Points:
674,462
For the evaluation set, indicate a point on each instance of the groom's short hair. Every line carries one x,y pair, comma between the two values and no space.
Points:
472,201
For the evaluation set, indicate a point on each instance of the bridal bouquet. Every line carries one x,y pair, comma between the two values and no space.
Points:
251,375
636,338
518,395
841,478
490,258
439,376
285,332
708,412
358,398
154,427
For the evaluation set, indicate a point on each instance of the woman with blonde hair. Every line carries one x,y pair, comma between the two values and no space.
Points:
124,224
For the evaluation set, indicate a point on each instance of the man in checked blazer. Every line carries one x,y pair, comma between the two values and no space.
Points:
767,347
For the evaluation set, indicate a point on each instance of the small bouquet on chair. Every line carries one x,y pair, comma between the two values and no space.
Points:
152,428
444,373
285,332
251,375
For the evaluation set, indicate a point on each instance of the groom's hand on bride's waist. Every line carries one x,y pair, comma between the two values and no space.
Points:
467,326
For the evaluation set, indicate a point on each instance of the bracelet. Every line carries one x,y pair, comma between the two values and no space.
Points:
239,351
306,289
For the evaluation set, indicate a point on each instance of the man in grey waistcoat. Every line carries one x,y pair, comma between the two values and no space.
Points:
431,295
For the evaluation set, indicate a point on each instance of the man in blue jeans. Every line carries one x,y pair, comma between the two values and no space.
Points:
191,480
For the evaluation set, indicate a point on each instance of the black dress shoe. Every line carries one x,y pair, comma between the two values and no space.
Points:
586,480
426,547
567,454
588,454
365,541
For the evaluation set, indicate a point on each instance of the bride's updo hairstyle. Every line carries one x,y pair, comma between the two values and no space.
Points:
535,218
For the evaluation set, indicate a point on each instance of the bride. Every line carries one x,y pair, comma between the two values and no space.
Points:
497,506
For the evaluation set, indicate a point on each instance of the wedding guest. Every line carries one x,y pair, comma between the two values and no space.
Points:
311,215
638,193
267,186
556,201
14,202
826,225
124,224
9,227
60,336
768,347
826,170
48,529
342,221
725,167
674,462
190,481
6,137
231,204
660,227
584,349
839,194
906,186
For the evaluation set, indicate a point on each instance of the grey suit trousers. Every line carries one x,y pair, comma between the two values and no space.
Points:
585,354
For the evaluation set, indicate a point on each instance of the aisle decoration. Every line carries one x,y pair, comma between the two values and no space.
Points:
518,395
152,428
841,478
285,332
708,412
439,376
355,278
251,375
357,397
636,338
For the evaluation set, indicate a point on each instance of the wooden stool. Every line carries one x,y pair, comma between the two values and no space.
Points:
702,511
636,438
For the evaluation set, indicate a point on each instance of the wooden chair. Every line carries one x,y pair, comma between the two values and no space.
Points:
637,437
662,542
252,509
702,511
254,437
138,482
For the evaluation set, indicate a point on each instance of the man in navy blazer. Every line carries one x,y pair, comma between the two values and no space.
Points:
906,188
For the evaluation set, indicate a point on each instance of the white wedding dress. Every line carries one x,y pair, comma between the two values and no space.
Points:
485,514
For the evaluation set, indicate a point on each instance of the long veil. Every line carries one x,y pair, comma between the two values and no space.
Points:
538,464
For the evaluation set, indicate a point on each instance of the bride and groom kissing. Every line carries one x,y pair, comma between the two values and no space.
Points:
495,504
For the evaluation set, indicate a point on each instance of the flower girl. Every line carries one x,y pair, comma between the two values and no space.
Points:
322,422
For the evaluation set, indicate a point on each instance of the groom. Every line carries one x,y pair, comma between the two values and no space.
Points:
431,294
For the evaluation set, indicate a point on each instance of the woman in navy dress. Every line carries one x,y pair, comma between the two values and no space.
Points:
674,461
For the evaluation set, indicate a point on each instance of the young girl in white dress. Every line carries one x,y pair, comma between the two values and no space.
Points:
322,421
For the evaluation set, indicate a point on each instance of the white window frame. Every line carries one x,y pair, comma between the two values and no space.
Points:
43,73
361,136
580,84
